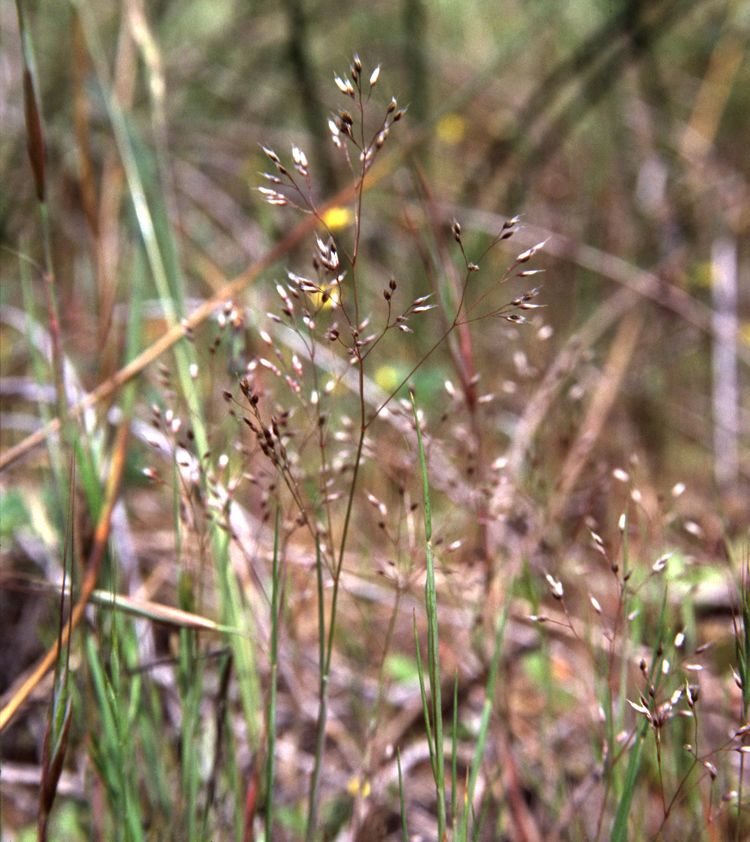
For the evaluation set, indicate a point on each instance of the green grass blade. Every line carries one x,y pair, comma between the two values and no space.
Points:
112,748
425,704
454,754
484,726
433,650
619,828
402,802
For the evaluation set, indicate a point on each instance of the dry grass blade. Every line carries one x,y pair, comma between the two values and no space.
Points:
88,585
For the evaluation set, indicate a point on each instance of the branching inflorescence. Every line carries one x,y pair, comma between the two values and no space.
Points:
325,308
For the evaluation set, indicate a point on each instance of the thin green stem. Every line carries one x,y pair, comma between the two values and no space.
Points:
433,641
312,809
271,727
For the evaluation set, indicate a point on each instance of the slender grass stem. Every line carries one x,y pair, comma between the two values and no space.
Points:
276,589
312,805
433,648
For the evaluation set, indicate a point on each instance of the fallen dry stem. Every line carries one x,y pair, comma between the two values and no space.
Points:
620,356
197,317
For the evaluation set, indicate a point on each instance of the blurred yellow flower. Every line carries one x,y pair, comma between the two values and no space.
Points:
337,217
451,129
328,299
358,787
388,377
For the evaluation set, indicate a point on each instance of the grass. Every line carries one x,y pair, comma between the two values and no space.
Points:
351,545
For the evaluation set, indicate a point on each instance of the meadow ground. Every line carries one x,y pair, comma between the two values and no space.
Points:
373,456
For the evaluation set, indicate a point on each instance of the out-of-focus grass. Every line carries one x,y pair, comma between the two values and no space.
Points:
593,124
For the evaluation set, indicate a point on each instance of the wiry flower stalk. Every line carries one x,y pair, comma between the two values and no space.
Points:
326,310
